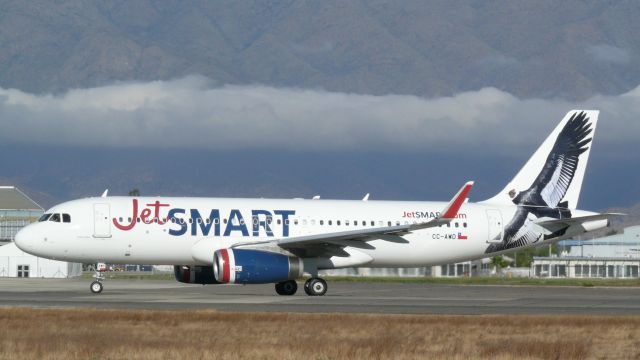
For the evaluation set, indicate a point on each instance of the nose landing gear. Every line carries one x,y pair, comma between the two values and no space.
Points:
96,286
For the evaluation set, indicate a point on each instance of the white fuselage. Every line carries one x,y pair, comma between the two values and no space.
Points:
187,231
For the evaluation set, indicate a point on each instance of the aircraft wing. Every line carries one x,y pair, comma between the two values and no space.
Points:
552,226
390,233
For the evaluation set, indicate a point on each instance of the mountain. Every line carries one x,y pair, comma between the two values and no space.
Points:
543,49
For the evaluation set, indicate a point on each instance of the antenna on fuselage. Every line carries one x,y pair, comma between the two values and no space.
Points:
105,193
317,197
366,197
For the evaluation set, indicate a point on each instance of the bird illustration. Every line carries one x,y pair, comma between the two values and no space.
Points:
544,197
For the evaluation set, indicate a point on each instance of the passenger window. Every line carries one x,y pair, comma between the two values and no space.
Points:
216,221
321,222
355,222
286,222
313,221
55,218
338,222
464,224
329,222
346,222
388,223
120,219
66,218
137,220
278,221
457,224
295,222
373,223
44,217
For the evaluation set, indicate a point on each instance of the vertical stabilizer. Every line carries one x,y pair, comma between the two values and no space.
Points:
553,175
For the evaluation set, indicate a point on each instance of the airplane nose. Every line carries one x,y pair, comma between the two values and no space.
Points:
22,239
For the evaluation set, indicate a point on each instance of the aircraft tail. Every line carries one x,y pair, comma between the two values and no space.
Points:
553,175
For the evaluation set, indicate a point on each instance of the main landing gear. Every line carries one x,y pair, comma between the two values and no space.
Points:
287,288
313,287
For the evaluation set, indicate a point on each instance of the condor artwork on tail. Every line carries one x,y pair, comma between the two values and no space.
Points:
257,241
543,199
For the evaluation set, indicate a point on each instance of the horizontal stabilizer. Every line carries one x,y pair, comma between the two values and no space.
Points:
585,222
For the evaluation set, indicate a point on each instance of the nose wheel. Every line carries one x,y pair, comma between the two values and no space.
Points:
96,287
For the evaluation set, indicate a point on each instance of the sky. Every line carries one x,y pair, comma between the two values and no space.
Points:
192,113
432,144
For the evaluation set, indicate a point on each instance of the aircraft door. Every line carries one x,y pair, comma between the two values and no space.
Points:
494,219
101,223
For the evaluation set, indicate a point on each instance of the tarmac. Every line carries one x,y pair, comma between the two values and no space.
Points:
342,297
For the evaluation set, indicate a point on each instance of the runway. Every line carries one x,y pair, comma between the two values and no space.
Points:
341,297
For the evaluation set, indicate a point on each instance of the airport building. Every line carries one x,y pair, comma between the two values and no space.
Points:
16,211
616,256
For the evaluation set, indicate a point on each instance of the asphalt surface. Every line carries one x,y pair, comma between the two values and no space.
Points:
341,297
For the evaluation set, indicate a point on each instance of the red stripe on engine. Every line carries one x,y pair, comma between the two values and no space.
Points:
226,270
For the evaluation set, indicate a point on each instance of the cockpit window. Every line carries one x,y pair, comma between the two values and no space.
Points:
66,218
55,218
44,217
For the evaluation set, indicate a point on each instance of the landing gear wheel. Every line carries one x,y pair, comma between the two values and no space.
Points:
287,287
96,287
315,287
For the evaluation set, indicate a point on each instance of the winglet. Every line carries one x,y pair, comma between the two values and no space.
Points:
366,197
105,193
451,211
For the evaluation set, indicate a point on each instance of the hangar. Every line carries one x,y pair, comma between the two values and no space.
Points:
16,211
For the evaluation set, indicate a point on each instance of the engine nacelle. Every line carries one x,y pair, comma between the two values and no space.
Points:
194,274
246,266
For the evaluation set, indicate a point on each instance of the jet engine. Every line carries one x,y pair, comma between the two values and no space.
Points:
246,266
194,274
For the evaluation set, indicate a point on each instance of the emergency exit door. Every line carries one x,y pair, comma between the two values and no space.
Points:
494,219
101,221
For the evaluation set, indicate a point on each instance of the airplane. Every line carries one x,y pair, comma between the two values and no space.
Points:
260,241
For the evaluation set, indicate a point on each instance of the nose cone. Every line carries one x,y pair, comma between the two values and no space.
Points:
24,239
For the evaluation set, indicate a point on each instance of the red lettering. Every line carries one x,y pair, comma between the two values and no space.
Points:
133,218
144,215
156,213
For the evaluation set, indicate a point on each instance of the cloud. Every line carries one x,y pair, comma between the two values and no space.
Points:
193,113
609,54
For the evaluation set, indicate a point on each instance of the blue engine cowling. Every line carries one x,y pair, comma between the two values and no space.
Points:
245,266
194,274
